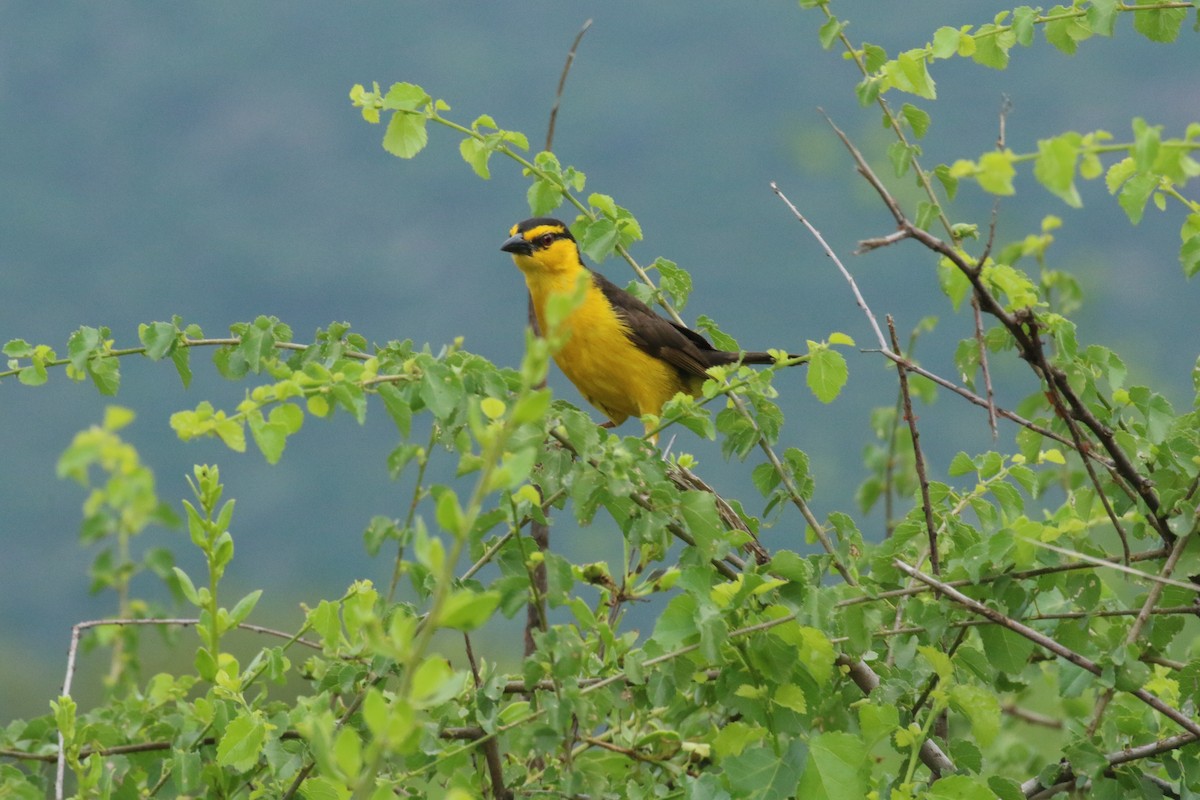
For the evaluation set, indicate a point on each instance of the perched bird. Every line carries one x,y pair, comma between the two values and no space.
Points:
624,358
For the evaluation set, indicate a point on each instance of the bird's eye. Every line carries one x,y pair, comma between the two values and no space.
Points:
545,240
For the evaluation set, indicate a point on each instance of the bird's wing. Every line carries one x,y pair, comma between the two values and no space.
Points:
681,347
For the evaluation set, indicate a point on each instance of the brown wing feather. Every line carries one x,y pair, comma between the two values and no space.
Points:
681,347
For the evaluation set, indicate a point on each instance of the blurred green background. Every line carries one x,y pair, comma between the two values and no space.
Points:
204,160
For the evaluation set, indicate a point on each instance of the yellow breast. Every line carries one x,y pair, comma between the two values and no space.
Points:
609,370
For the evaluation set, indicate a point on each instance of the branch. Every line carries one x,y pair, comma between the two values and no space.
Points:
918,456
1045,642
1023,326
1135,630
562,82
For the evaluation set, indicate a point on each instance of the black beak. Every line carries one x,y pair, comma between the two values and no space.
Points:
517,245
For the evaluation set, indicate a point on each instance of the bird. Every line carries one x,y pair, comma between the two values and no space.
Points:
624,358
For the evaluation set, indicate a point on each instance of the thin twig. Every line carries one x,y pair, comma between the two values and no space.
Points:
983,366
918,456
858,298
975,399
562,82
1148,555
491,748
1120,567
1032,717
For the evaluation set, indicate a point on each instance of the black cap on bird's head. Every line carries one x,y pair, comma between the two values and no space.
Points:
535,234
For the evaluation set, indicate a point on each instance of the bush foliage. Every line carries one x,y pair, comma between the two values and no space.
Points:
1023,625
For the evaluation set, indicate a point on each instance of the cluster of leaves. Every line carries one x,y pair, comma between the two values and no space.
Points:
1150,167
905,666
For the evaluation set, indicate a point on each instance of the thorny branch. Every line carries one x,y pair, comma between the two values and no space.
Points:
1025,328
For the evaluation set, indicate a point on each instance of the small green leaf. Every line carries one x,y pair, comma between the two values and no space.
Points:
244,607
910,73
996,172
991,46
1189,255
185,584
1135,193
242,742
476,153
827,372
158,337
543,197
1055,166
945,42
466,610
837,768
829,31
1159,24
405,97
406,135
449,513
917,119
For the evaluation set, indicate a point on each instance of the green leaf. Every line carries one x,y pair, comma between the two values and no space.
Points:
1065,30
837,768
106,374
1147,141
1024,19
1134,194
945,42
406,135
910,73
435,682
992,45
959,787
81,345
1189,255
18,348
1055,166
829,31
996,172
677,623
1157,23
158,337
1006,651
449,513
180,357
244,607
1102,16
476,153
466,610
33,375
347,751
917,119
763,774
405,97
543,197
270,438
827,372
600,239
242,742
189,588
397,406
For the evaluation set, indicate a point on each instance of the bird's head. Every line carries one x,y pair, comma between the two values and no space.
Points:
543,245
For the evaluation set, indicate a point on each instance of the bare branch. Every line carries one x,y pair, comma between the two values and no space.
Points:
562,82
858,298
918,456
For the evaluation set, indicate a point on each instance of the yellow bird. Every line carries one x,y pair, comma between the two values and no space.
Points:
624,358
